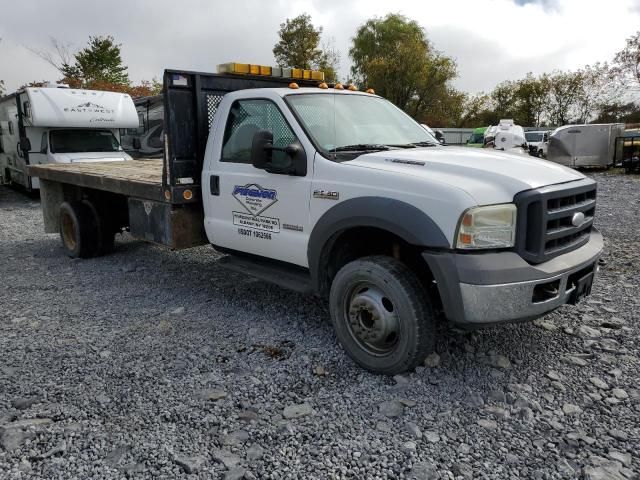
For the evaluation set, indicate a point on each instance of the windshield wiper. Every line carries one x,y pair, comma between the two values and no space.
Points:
424,144
360,147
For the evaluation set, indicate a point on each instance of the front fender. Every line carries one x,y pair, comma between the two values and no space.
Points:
394,216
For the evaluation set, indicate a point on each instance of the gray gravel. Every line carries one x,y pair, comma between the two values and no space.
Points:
153,364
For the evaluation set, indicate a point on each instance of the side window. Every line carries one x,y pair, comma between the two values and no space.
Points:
246,117
10,128
44,144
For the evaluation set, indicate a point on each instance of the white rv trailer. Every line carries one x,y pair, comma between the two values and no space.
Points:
57,124
591,145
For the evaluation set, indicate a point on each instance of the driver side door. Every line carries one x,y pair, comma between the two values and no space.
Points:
255,211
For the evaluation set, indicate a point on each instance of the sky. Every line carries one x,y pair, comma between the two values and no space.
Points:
491,40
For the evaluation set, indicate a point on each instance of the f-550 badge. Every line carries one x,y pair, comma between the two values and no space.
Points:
254,198
326,194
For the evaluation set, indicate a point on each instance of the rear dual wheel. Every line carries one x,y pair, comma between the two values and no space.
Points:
382,315
83,231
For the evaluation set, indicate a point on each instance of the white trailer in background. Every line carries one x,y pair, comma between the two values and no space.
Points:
57,124
591,145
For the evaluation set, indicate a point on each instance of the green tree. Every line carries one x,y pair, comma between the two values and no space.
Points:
329,62
531,99
504,99
565,89
298,45
477,111
99,62
393,55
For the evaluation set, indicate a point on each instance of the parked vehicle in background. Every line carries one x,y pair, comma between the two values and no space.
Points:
58,124
506,136
477,137
592,145
146,140
627,151
340,194
437,134
538,142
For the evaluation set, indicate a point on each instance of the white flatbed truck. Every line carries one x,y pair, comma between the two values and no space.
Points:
340,194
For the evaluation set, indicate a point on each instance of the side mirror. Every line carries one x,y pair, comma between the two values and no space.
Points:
295,162
136,143
261,149
25,144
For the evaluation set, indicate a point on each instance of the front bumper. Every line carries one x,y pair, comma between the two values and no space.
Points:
487,288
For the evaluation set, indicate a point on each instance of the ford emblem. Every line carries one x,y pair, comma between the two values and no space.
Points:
578,219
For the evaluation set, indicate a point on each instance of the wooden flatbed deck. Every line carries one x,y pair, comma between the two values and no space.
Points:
135,178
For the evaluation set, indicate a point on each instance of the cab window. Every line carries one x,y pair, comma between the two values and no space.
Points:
246,117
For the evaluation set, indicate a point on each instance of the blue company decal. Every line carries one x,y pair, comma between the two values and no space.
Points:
254,198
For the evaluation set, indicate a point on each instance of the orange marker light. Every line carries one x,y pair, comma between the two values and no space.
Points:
466,238
371,91
323,86
338,86
187,194
467,221
294,86
167,194
352,87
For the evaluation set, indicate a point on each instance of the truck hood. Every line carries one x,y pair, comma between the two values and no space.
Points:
90,157
489,176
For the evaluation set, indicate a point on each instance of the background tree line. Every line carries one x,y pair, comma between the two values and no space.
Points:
394,56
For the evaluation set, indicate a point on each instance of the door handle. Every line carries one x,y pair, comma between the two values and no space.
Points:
214,185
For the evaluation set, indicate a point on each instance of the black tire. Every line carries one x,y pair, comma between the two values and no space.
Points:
106,234
78,229
365,296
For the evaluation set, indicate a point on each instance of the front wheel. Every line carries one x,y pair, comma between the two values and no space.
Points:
382,315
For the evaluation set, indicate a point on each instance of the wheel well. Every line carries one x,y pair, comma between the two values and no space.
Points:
348,245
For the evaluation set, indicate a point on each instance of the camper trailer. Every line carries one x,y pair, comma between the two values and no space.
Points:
584,145
147,139
58,124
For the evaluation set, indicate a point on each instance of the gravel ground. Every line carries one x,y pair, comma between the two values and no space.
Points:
153,364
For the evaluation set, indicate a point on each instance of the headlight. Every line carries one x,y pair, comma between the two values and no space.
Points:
493,226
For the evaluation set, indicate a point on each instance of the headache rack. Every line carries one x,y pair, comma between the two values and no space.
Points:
191,100
554,220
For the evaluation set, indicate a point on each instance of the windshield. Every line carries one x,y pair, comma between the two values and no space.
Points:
533,137
72,141
477,138
360,121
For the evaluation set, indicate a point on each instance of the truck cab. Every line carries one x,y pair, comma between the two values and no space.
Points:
336,192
